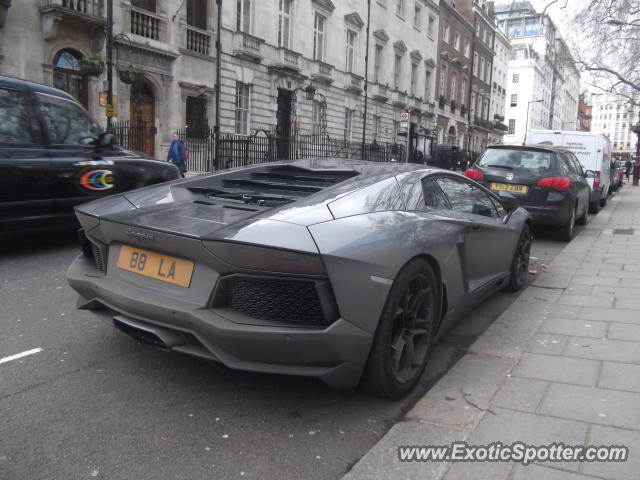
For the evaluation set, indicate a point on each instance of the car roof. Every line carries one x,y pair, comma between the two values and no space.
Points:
538,147
33,86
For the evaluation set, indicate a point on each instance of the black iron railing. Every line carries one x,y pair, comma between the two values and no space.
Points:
137,136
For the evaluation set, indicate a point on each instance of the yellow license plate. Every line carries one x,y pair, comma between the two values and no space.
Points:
506,187
155,265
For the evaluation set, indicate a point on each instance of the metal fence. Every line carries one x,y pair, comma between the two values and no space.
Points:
133,136
263,146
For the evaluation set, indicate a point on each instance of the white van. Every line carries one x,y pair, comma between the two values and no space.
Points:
594,153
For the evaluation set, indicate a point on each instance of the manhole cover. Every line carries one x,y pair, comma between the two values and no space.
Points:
623,231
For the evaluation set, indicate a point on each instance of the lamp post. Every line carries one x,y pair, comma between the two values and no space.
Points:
526,123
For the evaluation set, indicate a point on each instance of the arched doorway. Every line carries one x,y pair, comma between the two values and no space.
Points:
452,137
142,114
67,76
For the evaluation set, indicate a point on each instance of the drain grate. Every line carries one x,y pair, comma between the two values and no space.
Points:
623,231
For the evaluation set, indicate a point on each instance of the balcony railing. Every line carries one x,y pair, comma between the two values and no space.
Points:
380,92
198,41
95,8
145,24
399,98
321,71
246,45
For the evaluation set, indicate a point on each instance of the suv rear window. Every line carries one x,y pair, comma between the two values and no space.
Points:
518,159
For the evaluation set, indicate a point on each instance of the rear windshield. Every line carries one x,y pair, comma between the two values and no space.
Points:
518,160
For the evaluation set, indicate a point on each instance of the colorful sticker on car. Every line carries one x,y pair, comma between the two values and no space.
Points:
97,180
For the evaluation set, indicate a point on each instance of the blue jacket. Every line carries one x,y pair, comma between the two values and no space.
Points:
176,152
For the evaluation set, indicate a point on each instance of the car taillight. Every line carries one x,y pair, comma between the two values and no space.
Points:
557,183
474,174
267,259
596,180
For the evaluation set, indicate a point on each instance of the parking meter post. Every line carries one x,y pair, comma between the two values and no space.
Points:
109,41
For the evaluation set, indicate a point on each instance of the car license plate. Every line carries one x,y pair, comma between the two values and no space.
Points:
506,187
155,265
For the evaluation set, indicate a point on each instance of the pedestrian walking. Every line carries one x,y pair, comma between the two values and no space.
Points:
627,169
178,154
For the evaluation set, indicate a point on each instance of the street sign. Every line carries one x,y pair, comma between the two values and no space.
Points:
404,116
103,99
404,124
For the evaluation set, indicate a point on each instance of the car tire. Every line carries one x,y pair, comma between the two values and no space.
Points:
567,230
594,207
520,263
405,334
603,201
582,220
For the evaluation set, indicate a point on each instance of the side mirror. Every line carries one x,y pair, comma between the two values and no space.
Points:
509,202
106,140
589,174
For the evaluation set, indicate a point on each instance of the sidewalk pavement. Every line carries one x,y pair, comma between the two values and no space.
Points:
561,364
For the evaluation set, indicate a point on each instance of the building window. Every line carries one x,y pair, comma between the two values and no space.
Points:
467,49
414,75
376,127
243,16
427,86
486,109
515,78
475,64
351,49
456,41
400,8
514,100
197,14
430,26
443,75
319,25
284,23
463,91
242,108
454,79
149,5
512,126
377,64
348,124
316,118
481,72
445,34
417,16
487,77
67,76
397,63
196,116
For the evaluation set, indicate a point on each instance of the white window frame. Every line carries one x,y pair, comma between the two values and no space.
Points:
487,78
348,124
319,36
445,33
244,17
284,18
377,62
481,71
430,25
467,49
417,16
350,50
456,41
515,78
513,101
427,85
512,126
243,109
413,78
475,64
397,68
400,8
453,92
463,91
443,76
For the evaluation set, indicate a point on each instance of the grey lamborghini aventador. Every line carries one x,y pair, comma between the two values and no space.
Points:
346,271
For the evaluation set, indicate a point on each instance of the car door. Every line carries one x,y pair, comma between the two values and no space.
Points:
80,173
578,182
488,242
26,176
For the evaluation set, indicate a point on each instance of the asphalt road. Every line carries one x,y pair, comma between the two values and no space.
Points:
94,403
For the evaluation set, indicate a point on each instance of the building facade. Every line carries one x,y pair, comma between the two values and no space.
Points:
455,43
542,80
498,104
585,108
614,116
274,53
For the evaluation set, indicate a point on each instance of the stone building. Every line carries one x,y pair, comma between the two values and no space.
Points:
455,40
543,82
274,52
614,116
498,104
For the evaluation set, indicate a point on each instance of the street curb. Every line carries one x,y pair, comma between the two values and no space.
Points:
456,404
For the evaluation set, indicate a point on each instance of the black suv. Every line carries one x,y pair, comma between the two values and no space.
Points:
53,156
547,181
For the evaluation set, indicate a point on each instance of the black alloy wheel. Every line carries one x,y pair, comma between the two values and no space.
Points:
404,338
520,262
